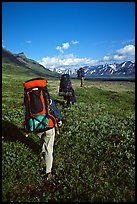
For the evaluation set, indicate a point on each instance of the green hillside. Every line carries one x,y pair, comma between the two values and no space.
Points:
94,154
20,64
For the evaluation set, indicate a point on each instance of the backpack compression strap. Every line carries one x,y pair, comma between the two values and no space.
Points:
51,123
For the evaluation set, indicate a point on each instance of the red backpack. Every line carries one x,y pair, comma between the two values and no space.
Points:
37,106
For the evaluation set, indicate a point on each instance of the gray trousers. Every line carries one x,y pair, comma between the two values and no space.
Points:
47,143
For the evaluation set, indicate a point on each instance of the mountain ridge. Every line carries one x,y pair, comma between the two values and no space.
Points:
124,69
28,64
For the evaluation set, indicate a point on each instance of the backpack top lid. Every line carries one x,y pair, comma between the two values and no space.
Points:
82,72
36,82
65,77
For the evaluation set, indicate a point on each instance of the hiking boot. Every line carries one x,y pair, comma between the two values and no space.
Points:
49,176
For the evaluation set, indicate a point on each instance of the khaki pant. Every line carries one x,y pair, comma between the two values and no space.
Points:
47,143
82,81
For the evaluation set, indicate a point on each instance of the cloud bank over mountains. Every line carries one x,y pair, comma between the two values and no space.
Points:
122,54
126,53
66,61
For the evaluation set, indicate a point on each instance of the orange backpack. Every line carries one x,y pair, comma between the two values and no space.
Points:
37,106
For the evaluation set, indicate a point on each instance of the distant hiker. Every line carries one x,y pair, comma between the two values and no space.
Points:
41,117
81,75
66,90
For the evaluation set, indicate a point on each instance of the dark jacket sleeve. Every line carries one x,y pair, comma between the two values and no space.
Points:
54,110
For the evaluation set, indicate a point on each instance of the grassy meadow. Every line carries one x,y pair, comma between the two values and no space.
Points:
94,154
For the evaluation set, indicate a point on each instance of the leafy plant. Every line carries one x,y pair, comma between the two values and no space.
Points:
94,154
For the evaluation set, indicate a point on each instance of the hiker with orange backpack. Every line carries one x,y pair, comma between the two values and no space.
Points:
42,117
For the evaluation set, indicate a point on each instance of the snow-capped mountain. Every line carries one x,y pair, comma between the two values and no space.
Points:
126,68
62,70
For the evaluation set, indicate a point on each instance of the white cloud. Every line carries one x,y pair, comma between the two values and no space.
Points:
126,53
66,61
106,58
75,42
71,61
59,48
127,50
132,40
3,43
64,46
119,57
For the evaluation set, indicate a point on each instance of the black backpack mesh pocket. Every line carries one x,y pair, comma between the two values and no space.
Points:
36,105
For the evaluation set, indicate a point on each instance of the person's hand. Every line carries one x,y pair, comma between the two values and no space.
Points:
59,123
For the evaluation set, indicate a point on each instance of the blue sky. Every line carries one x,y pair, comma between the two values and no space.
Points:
70,33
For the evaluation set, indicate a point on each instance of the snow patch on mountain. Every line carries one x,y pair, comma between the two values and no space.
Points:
126,68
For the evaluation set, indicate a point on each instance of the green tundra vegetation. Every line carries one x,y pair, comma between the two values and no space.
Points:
94,154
